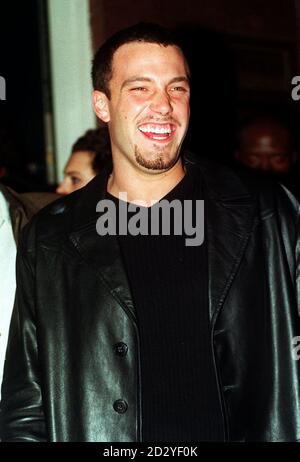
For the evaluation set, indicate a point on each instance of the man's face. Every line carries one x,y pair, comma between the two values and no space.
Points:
267,149
77,173
148,112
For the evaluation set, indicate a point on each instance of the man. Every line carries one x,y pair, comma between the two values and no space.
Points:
140,336
266,145
15,212
88,157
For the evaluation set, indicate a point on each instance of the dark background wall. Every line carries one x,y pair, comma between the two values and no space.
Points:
256,18
21,115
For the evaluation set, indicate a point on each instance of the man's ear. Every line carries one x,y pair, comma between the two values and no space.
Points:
100,105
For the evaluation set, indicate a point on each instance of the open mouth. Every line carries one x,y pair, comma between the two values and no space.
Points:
157,132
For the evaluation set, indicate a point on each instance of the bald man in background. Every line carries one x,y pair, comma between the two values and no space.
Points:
266,145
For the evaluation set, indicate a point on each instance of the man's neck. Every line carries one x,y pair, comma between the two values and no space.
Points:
143,186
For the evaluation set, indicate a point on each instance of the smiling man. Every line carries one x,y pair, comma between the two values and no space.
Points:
146,106
137,336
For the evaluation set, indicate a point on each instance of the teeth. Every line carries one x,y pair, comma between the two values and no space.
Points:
155,129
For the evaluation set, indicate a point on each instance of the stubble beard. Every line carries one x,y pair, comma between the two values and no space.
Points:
159,163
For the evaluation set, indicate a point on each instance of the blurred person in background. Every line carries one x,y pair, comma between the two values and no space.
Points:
88,156
266,145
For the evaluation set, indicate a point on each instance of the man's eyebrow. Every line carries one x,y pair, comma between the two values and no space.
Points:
71,172
182,78
137,78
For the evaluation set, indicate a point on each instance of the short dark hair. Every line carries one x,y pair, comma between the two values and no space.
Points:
97,142
141,32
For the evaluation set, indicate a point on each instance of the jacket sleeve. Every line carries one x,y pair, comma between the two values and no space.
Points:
291,240
298,258
22,416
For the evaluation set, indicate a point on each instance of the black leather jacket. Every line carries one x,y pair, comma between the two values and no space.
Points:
67,376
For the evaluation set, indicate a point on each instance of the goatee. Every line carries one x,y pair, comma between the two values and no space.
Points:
159,163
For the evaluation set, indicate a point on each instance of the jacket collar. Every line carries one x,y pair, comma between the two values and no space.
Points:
229,215
102,253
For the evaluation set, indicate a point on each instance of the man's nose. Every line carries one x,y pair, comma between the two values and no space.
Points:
161,103
265,165
62,188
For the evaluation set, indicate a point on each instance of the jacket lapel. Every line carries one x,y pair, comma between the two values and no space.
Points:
229,214
101,253
228,230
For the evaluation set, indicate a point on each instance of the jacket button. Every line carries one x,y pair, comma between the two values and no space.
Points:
121,349
120,406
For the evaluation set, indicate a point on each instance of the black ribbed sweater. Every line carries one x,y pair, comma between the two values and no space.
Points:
168,281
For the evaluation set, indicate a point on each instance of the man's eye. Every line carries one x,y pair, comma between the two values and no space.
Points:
141,89
180,89
75,180
280,159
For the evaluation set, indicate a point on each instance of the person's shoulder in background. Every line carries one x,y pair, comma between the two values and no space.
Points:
38,200
23,206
